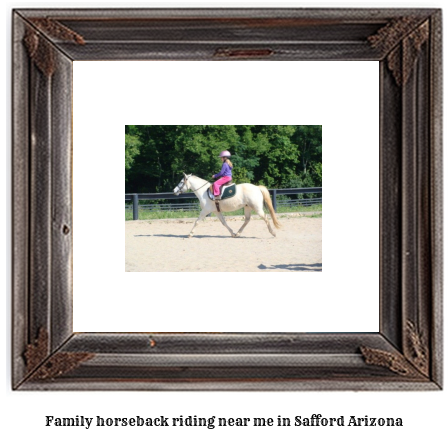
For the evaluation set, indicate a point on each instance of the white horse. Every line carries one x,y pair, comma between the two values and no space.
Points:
247,195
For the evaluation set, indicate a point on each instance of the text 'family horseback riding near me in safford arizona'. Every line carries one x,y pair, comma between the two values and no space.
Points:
216,421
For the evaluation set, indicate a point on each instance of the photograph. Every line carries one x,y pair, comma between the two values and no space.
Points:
191,188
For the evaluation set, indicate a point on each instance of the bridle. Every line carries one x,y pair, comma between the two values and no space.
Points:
180,186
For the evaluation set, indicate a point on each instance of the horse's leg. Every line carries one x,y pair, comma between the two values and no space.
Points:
259,210
247,211
202,216
223,221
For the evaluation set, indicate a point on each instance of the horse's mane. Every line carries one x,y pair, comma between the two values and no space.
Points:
197,177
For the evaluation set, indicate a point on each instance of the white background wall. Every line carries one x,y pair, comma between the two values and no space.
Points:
112,94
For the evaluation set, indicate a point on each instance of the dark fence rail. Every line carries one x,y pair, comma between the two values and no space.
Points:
135,197
195,206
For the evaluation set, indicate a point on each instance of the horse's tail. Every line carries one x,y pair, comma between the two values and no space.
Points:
268,203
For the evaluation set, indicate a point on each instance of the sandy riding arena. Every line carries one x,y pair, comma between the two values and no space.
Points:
164,246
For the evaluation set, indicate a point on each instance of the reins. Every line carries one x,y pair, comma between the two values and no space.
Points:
207,182
201,187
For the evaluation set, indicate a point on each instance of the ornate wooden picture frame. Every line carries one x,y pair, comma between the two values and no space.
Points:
406,353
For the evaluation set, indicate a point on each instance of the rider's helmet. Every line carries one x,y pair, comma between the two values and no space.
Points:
224,154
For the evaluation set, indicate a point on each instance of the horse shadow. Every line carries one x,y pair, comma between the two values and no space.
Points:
316,267
196,236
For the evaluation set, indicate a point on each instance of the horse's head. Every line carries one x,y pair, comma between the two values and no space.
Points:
183,186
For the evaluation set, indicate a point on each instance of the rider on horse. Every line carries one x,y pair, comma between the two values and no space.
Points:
225,175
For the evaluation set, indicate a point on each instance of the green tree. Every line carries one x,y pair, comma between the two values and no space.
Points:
279,154
273,155
309,139
132,146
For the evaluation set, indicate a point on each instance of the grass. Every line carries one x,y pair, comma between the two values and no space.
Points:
316,211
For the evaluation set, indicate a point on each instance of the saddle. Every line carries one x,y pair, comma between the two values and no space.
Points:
228,190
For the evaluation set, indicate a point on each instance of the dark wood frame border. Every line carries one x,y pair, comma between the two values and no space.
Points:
406,354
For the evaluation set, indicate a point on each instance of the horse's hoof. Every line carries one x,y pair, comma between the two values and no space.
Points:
190,236
236,235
